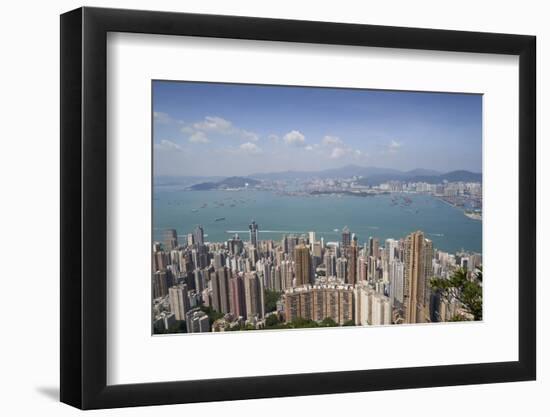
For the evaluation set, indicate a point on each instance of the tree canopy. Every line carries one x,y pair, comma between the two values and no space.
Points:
468,291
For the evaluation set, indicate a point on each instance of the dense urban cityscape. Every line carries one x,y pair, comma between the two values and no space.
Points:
302,281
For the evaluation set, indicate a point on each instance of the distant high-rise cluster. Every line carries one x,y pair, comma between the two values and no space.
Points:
200,286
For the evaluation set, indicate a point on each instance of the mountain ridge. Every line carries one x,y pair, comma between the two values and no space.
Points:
368,176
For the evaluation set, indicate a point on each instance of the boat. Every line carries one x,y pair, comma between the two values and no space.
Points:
219,219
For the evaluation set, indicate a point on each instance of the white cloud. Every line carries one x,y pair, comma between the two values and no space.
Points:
338,153
161,117
219,126
168,145
250,148
345,151
309,148
332,141
273,138
394,146
295,138
187,130
246,135
198,137
214,124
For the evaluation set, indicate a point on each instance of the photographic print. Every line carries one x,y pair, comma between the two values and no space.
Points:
291,207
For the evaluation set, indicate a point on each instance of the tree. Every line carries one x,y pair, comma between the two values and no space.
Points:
272,320
301,323
271,298
212,314
469,292
328,322
178,327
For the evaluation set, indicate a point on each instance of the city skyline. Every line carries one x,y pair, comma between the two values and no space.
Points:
209,129
203,286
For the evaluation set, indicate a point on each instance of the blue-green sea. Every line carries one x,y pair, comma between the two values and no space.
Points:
222,213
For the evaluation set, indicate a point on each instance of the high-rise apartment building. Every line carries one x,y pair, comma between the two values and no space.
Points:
319,301
352,263
341,268
381,310
237,304
179,301
374,245
417,272
346,238
254,295
160,261
396,282
220,290
303,265
330,263
161,282
197,321
287,274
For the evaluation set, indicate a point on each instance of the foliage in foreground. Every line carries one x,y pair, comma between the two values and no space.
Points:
468,292
212,314
271,297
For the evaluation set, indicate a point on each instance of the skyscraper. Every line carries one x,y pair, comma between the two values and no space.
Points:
220,290
341,268
417,271
330,263
160,261
396,282
161,282
219,260
197,321
198,235
253,227
374,244
390,248
346,238
312,238
303,265
170,239
235,245
352,264
237,296
362,268
179,301
289,244
286,274
254,295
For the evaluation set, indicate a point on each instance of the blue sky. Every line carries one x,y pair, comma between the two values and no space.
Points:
203,129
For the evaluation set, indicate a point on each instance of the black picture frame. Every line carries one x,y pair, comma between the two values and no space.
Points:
84,207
